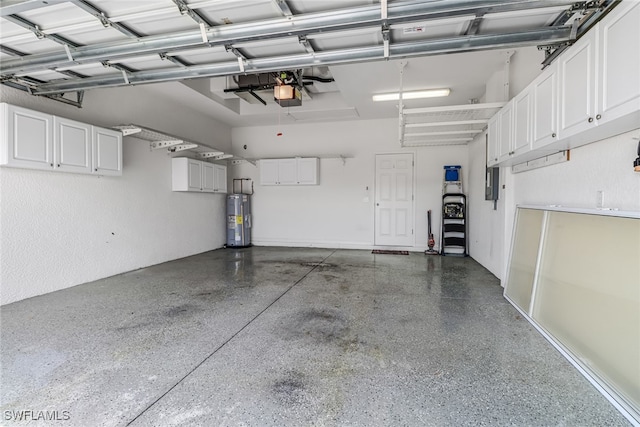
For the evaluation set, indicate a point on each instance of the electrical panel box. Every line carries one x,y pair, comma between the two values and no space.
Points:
492,184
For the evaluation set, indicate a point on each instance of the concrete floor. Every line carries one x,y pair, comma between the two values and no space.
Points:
289,337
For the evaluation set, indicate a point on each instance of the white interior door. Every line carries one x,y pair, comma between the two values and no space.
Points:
394,200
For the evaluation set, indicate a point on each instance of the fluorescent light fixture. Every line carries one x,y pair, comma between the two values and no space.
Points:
431,93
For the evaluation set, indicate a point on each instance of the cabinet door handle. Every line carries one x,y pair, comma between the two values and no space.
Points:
58,164
51,164
96,169
553,135
598,117
590,120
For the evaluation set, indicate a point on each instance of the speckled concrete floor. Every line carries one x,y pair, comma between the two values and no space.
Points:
288,337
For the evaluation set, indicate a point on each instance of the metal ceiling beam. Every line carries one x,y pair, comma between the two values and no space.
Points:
336,20
283,7
364,54
104,20
25,23
186,10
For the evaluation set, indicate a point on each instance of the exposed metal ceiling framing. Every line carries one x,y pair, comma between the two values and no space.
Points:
53,59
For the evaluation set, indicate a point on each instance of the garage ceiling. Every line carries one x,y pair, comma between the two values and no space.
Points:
192,50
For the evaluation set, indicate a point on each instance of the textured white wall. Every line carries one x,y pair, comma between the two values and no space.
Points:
335,213
601,166
59,230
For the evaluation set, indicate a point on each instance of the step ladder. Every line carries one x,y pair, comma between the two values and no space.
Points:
454,213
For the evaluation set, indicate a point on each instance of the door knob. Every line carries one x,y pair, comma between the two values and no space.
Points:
377,204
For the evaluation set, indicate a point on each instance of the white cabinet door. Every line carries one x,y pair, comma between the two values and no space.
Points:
493,139
308,171
521,123
269,172
27,138
220,178
208,177
545,101
287,171
506,132
194,175
72,142
107,151
577,83
620,62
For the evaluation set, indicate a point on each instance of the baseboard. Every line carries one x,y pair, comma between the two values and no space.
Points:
330,244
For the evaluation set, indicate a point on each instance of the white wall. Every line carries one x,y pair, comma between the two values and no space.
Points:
605,165
59,230
335,213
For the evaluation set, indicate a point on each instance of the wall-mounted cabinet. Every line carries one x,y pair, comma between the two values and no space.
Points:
73,145
198,176
590,93
293,171
35,140
493,140
505,129
544,92
619,64
107,151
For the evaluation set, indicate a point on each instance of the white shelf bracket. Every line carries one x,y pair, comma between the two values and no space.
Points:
156,145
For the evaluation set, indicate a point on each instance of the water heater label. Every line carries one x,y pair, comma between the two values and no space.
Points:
239,219
231,221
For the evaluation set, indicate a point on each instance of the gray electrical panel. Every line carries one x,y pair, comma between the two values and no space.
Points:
238,220
492,189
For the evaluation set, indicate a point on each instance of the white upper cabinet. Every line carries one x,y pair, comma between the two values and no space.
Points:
220,178
493,140
522,117
505,140
208,177
269,172
107,151
292,171
27,138
545,106
35,140
577,77
72,142
195,175
619,63
308,171
287,172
